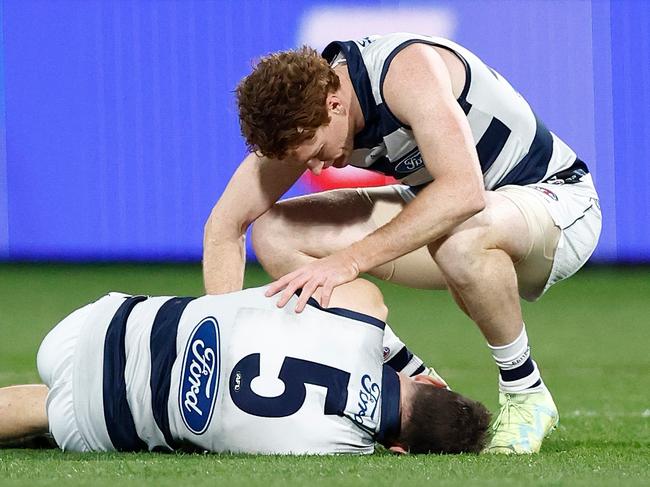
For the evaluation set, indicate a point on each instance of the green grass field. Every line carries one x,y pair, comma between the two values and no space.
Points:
589,336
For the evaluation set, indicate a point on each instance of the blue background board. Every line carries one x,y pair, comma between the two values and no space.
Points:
630,25
118,129
121,129
4,212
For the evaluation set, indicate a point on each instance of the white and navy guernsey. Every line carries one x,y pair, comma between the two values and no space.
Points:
513,145
232,373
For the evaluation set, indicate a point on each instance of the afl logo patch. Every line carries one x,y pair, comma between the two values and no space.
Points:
546,191
200,376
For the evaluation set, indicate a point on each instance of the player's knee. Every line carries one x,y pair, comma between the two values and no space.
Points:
275,244
267,236
459,256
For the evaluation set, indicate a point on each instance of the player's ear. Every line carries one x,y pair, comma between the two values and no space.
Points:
335,104
427,379
398,449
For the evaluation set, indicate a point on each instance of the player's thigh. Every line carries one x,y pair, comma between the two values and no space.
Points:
518,227
416,269
322,223
525,230
506,226
500,225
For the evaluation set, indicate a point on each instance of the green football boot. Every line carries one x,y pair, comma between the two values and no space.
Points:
523,422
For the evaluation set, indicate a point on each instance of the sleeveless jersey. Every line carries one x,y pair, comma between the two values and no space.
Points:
513,145
231,373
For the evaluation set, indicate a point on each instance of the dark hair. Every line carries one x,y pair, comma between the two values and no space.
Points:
443,421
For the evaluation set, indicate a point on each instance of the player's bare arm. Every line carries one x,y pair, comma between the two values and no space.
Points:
445,141
22,413
256,185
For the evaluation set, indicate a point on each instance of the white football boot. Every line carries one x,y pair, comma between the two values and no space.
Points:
524,421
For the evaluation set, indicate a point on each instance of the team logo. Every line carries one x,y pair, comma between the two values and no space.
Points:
410,163
200,376
386,352
546,191
368,399
556,181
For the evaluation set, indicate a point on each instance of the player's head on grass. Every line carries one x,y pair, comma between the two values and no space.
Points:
437,420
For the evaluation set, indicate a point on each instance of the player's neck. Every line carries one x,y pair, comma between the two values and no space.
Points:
406,386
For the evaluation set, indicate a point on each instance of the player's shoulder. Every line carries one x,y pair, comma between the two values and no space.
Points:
250,295
360,296
389,45
368,46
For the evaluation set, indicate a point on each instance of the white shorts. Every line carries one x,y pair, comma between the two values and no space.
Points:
55,363
575,210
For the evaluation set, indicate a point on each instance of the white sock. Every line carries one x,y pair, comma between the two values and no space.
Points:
518,372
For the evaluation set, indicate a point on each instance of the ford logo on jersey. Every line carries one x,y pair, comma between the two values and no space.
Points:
200,376
368,399
410,163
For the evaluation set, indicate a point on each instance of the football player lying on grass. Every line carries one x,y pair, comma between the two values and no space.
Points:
235,373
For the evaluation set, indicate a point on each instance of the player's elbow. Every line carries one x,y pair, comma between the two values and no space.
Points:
469,204
464,193
221,227
475,202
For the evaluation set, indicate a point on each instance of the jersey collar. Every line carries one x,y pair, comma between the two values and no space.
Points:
390,423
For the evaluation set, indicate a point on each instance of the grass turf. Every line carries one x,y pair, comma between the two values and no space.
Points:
589,335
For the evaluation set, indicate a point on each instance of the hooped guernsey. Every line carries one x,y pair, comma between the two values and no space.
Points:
231,373
513,144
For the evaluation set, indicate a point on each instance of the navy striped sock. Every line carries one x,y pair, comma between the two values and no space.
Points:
518,371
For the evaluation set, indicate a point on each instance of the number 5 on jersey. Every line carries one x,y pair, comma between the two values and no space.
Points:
295,373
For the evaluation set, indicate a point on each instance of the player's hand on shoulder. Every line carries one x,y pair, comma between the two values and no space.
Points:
326,274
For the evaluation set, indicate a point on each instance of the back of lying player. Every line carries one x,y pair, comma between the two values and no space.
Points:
234,373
